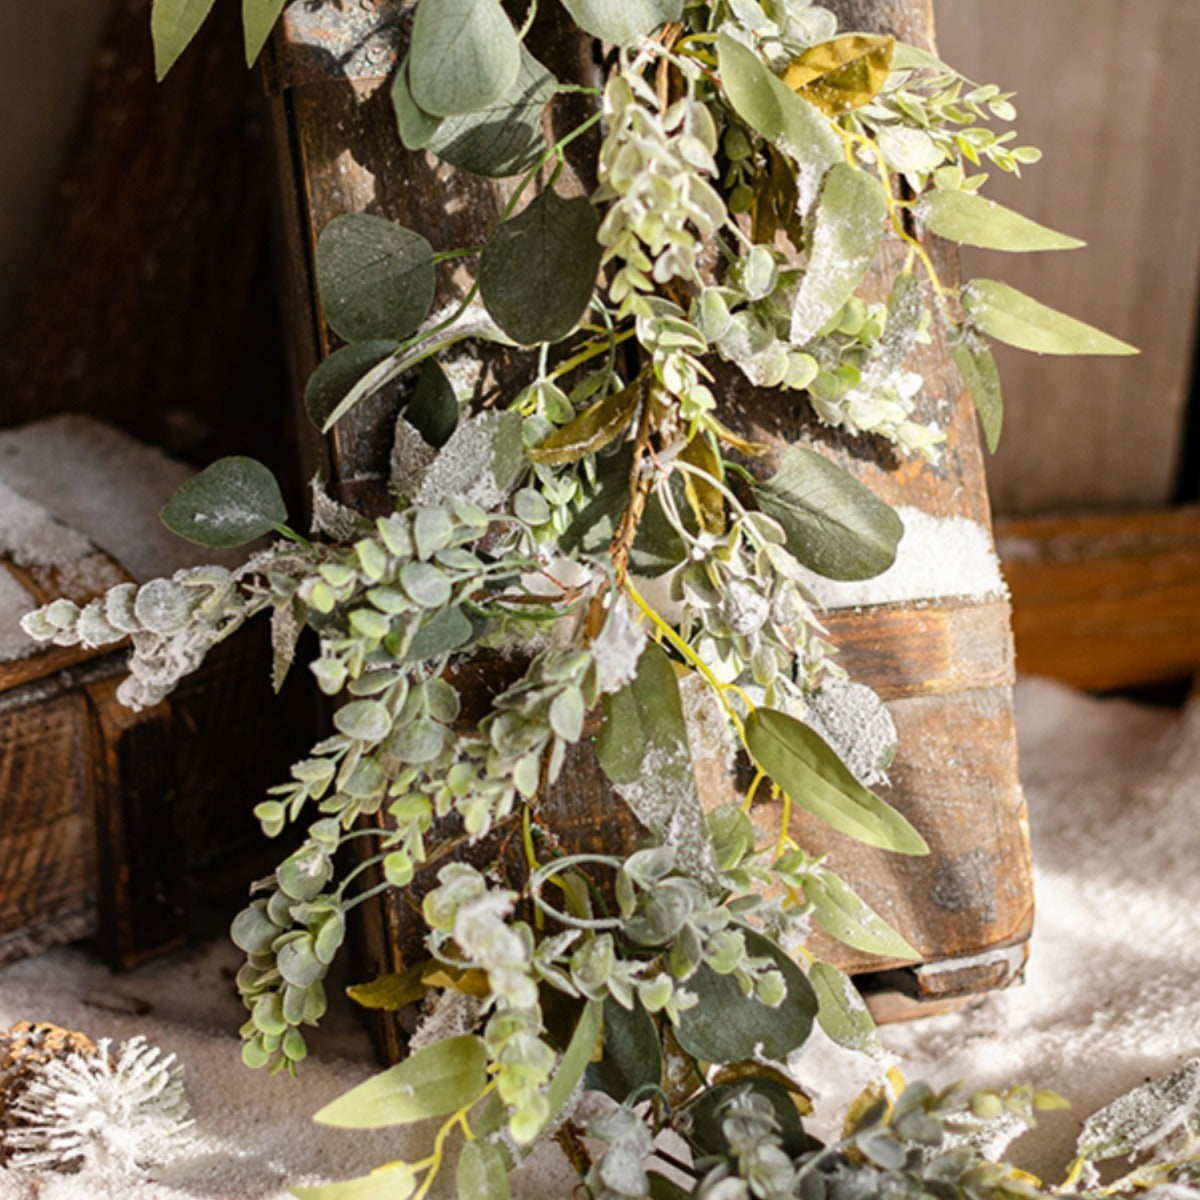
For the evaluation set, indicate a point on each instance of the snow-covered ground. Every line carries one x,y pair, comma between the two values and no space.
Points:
1112,997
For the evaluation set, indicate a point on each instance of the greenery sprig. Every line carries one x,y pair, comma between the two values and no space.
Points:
752,166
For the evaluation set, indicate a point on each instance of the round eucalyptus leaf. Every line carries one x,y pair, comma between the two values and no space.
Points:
729,1026
232,502
464,55
538,272
298,963
376,279
330,383
416,126
621,21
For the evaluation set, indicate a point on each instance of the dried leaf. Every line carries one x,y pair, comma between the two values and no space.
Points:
844,74
592,430
705,499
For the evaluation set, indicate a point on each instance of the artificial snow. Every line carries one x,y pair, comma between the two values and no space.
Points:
15,602
938,558
1112,998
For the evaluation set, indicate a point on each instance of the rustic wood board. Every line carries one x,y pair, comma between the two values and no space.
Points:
1109,91
1106,601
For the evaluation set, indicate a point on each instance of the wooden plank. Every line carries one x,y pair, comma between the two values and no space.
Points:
1106,601
1109,91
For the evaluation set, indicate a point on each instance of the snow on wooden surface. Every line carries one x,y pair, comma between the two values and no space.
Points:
1113,992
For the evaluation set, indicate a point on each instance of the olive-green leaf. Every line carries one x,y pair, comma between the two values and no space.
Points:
800,761
632,1056
846,235
396,1181
258,19
834,524
842,1013
433,409
662,1188
464,55
440,1079
415,125
579,1052
1010,316
376,279
504,137
482,1172
392,992
336,375
769,106
844,914
173,23
973,220
978,369
592,430
538,271
230,503
843,74
728,1026
621,21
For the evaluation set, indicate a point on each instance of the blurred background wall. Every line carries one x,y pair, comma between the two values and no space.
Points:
1110,91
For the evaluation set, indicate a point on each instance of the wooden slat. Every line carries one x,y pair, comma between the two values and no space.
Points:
1106,601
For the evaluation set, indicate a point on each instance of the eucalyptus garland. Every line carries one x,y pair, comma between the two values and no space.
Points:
752,162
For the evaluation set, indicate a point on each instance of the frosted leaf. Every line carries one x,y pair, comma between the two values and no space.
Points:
617,647
448,1013
118,608
412,456
162,606
1148,1119
857,726
285,633
334,519
111,1112
479,463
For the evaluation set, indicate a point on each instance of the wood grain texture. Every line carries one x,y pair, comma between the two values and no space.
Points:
1109,91
945,667
1106,601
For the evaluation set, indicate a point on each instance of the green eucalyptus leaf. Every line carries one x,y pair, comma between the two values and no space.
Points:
396,1181
846,236
173,24
501,138
802,764
771,108
258,19
482,1172
433,409
443,633
728,1026
234,501
376,278
336,375
973,220
631,1057
538,271
436,1081
834,524
621,21
1018,320
464,54
978,369
842,1013
415,125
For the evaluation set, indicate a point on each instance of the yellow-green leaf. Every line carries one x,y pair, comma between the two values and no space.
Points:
978,369
844,74
799,760
842,1013
258,19
705,498
1010,316
173,24
973,220
392,992
396,1181
844,914
594,428
436,1081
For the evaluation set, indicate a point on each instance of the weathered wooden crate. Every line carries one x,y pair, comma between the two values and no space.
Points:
103,810
941,660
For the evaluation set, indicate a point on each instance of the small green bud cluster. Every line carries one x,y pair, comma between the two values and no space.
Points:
758,1167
